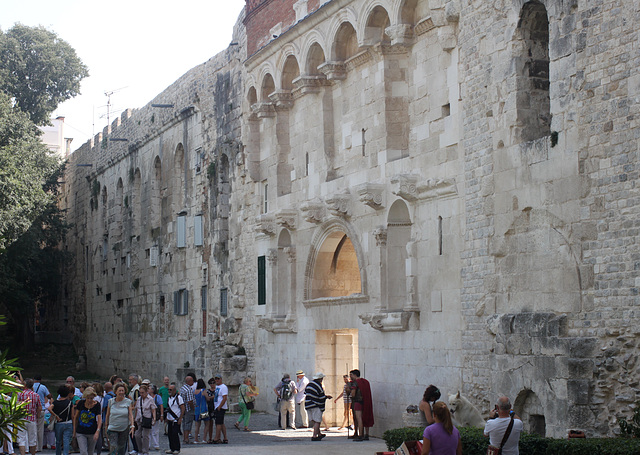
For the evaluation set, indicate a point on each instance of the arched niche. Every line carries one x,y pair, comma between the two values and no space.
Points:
284,277
252,96
315,58
345,44
177,187
136,203
156,188
413,11
268,87
335,250
398,237
377,22
119,210
290,71
528,407
531,47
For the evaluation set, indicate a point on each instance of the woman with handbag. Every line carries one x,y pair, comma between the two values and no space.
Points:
62,412
145,417
119,421
87,421
246,403
441,437
201,411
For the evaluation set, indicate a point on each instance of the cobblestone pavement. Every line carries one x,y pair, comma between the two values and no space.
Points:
264,438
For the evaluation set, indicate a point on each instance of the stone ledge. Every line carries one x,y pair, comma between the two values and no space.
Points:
391,321
325,301
278,324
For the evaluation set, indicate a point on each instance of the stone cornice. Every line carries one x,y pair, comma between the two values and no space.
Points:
308,84
313,211
326,301
338,205
266,225
360,58
335,71
263,109
408,187
424,26
371,194
286,218
389,321
282,99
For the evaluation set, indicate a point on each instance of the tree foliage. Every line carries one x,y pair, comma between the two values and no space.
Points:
38,70
26,169
11,411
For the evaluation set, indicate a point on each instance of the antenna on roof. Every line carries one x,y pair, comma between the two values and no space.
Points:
108,94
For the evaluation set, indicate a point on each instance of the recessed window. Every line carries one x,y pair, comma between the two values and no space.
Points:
181,240
181,302
262,280
223,302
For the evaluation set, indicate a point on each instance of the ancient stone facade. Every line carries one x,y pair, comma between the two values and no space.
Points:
433,191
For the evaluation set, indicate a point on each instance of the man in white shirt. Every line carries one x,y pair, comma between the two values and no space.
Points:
44,395
175,411
497,425
301,383
221,406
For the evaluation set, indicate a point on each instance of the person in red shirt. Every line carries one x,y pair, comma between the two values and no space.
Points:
28,436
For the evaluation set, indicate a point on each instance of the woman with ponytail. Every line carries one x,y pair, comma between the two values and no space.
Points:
431,395
441,438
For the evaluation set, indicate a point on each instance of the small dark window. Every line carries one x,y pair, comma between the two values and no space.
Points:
262,280
181,302
203,297
223,302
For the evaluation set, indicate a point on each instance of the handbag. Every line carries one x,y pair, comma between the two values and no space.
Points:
147,422
52,423
493,450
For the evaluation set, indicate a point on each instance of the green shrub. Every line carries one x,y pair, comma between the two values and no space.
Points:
474,443
631,428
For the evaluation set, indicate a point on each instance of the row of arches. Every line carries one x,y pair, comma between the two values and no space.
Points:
348,35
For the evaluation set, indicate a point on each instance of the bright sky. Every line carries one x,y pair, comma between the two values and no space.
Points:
135,48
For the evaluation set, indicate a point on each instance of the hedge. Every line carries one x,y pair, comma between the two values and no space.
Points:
474,443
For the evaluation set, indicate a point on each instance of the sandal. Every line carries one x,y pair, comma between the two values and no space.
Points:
225,441
246,429
237,425
217,441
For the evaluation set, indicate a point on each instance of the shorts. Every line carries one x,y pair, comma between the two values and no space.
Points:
28,437
218,416
314,414
187,420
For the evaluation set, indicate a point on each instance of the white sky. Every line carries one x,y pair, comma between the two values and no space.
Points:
137,47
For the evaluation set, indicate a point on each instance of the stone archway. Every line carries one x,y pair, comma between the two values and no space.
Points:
528,407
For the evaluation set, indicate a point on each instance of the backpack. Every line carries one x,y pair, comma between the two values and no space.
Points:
286,391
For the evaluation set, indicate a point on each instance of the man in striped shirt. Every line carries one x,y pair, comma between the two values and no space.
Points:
314,404
28,436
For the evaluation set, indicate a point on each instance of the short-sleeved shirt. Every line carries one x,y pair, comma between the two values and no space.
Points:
301,384
186,392
145,407
221,391
174,405
32,401
63,409
442,443
87,418
244,393
119,414
315,396
495,428
42,392
164,393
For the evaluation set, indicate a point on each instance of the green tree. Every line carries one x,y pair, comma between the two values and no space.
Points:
38,70
11,411
26,168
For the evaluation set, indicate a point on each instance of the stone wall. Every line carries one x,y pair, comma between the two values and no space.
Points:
436,192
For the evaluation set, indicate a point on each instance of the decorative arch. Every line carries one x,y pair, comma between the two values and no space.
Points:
284,278
314,58
252,96
334,248
312,39
413,11
290,71
267,87
345,43
177,187
373,29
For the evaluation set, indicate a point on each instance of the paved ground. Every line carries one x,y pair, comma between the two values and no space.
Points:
265,439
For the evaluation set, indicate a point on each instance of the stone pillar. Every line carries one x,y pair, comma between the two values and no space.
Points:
380,235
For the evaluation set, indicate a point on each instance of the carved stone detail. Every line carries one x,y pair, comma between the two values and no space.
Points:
266,224
380,234
371,194
286,218
263,110
313,211
405,186
282,99
308,84
272,256
424,26
400,34
335,71
338,205
290,252
391,321
360,58
278,324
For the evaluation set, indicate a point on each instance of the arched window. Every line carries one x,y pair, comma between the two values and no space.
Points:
532,102
345,45
336,272
398,236
290,71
